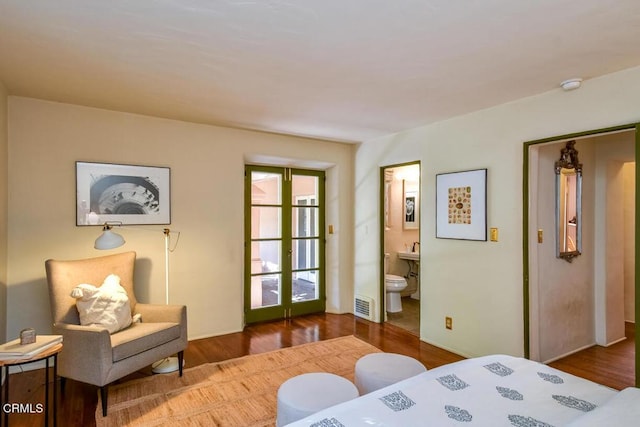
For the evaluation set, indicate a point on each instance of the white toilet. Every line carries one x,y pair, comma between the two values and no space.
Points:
393,286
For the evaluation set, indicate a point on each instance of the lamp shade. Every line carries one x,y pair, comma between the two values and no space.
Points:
108,240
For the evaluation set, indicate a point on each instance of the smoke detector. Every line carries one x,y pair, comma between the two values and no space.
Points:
571,84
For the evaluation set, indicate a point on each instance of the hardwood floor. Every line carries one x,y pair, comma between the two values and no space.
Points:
612,366
78,401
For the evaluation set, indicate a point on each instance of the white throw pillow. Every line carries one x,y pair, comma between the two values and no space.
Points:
107,306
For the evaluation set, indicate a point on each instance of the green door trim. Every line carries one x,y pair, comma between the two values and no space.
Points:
525,230
287,308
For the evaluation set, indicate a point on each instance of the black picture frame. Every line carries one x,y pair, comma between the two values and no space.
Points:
127,194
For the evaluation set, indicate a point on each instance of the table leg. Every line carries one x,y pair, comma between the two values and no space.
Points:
2,369
46,392
55,390
1,397
6,395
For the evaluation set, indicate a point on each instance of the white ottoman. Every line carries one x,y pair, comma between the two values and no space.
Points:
306,394
378,370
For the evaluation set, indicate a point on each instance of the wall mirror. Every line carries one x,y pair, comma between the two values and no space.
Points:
568,203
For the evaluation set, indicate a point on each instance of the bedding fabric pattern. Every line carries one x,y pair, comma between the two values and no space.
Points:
489,391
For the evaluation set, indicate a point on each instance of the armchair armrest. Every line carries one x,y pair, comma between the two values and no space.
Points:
77,364
162,313
165,313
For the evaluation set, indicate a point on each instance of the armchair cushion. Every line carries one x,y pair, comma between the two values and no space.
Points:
107,306
141,337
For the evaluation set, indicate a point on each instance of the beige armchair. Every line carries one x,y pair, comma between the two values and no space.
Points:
92,355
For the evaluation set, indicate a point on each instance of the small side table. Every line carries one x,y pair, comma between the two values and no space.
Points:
46,355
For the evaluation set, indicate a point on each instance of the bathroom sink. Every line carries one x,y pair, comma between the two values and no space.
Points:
413,256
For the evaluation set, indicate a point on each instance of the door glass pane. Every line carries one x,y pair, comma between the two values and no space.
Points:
266,290
305,222
305,286
265,188
267,256
265,222
305,188
305,254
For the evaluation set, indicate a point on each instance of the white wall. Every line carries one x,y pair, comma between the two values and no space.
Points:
564,301
207,172
4,144
612,151
479,284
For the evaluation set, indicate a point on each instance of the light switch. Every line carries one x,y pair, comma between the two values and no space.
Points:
540,235
330,228
493,234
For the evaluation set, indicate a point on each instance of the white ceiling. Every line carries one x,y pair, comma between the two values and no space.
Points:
346,70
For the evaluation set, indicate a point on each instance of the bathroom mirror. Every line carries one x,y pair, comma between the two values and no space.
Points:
568,171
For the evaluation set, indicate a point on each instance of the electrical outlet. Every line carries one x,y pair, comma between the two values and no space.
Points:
448,322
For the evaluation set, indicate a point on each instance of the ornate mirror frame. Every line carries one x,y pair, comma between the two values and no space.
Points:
568,171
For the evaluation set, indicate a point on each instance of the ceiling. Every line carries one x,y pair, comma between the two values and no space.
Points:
344,70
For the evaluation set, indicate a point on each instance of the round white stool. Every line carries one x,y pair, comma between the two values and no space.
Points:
306,394
378,370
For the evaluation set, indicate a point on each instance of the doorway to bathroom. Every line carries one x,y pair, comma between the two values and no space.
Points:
284,243
400,244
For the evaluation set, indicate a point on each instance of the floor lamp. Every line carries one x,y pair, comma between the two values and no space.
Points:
111,240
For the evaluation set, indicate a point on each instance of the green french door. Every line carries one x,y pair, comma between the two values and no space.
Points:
284,243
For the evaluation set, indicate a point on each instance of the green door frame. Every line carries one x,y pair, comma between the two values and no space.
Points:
287,308
525,230
382,293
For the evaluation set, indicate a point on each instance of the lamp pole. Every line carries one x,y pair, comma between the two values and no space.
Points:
166,232
168,364
110,240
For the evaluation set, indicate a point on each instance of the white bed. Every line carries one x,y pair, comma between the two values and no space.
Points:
487,391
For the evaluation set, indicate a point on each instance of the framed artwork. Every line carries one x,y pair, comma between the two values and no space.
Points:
411,214
461,205
130,195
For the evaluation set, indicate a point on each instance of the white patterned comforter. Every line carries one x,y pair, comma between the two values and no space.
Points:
489,391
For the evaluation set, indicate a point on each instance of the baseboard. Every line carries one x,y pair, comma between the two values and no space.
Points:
24,368
204,336
569,353
450,350
615,342
29,367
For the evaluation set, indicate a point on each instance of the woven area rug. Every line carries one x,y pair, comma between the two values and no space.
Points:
236,392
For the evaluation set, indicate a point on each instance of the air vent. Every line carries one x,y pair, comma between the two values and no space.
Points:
363,307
